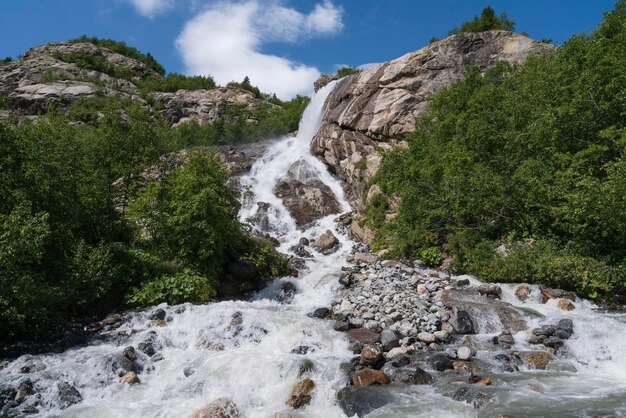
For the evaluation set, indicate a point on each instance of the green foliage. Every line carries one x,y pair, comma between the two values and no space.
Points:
537,152
542,262
246,85
433,40
268,262
88,61
184,286
173,82
488,20
191,213
346,71
123,49
6,60
431,256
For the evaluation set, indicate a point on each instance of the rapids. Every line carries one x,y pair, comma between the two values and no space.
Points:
257,368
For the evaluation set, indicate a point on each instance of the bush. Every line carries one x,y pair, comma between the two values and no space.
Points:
431,256
123,49
184,286
488,20
268,262
174,82
346,71
521,153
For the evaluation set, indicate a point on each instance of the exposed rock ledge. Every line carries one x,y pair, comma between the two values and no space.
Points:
372,110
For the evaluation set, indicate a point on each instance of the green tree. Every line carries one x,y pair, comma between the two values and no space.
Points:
488,20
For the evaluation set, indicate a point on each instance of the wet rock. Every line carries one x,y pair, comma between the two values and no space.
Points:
367,377
565,305
464,353
219,408
341,326
389,339
304,241
489,289
462,283
300,251
307,201
553,342
440,362
362,336
549,293
360,401
305,367
326,242
522,292
32,366
464,366
321,313
565,329
130,378
416,376
286,293
371,355
129,353
463,323
157,323
536,359
301,393
301,349
470,396
68,395
112,319
505,339
158,314
498,315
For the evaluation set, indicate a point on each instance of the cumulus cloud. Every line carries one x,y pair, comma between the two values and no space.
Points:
151,8
225,41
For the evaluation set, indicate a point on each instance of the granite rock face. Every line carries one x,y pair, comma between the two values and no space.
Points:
373,110
42,78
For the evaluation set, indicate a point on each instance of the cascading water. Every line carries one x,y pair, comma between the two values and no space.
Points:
239,349
251,351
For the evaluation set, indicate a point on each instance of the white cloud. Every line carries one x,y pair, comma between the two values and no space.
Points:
225,41
151,8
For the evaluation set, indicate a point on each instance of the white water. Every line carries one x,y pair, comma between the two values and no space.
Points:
256,368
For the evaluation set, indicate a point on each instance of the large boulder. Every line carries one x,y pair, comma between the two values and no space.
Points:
301,393
372,110
307,201
361,401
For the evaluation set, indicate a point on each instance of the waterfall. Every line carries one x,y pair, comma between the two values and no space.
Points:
205,355
252,351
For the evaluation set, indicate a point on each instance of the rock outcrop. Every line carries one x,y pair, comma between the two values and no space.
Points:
41,78
46,77
373,110
207,106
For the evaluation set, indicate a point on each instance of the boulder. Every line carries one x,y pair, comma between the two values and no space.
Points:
307,202
440,362
326,242
362,335
301,393
565,305
462,323
536,359
367,377
68,395
360,401
219,408
323,80
389,339
370,354
130,378
522,292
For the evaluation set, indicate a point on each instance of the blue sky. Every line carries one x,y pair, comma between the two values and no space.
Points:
281,44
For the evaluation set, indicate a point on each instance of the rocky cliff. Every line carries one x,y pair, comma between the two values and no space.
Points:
373,110
59,73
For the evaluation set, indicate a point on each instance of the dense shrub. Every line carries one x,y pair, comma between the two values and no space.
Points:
488,20
346,71
184,286
123,49
537,152
173,82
